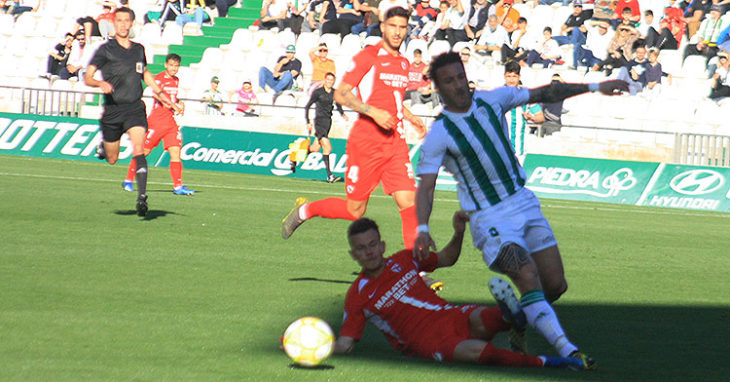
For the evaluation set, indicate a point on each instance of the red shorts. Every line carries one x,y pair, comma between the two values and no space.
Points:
368,165
162,128
443,334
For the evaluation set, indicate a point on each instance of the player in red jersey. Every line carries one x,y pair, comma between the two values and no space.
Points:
162,127
389,294
376,148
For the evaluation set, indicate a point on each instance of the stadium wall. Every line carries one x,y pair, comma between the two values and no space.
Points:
560,177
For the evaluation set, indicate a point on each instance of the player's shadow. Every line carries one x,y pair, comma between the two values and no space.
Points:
151,214
316,279
629,342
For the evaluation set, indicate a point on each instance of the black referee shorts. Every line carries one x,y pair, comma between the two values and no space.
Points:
322,127
117,119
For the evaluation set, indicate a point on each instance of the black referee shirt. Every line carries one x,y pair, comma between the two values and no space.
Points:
323,101
123,68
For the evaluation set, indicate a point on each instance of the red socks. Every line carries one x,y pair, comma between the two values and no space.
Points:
330,208
409,225
131,171
176,174
492,355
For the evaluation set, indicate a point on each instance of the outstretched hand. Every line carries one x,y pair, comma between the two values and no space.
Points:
424,243
613,87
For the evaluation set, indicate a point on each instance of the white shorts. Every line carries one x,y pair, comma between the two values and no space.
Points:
517,220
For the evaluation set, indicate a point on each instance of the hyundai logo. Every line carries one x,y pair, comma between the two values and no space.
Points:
697,182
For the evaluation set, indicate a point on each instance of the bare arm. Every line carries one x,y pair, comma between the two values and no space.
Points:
149,79
344,345
450,254
424,205
559,91
89,80
344,96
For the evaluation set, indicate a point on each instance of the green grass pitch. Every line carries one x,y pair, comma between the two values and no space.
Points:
203,287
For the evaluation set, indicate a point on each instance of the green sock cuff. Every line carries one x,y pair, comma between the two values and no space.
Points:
531,297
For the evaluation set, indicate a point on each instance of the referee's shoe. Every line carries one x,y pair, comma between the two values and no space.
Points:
142,205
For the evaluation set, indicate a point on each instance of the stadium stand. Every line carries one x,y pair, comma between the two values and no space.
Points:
233,49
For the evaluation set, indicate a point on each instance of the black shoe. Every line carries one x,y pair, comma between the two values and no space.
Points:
293,166
100,152
142,205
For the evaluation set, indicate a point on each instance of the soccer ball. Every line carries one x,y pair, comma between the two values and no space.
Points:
308,341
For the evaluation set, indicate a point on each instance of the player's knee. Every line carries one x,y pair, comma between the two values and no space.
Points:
554,289
514,261
112,159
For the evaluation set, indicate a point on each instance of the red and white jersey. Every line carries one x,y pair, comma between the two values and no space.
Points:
397,302
169,85
381,80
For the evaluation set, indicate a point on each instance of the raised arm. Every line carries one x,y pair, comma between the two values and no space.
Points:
149,79
450,254
559,91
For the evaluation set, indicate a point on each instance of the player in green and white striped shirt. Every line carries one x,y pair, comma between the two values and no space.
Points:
469,138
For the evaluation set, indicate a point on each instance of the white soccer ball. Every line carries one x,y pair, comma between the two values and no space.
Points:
308,341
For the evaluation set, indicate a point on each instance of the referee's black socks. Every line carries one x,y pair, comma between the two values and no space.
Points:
326,158
141,174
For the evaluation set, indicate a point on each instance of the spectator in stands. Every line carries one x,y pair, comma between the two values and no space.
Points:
321,65
648,25
16,8
420,89
77,59
671,30
626,17
494,36
693,15
380,11
522,41
508,16
548,53
89,25
58,57
552,112
213,98
723,39
437,30
473,69
478,14
520,117
314,9
223,5
573,31
273,14
721,79
634,72
348,15
619,49
595,49
287,69
246,100
654,72
455,31
296,15
707,35
423,17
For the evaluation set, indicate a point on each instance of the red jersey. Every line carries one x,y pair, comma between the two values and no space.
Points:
168,85
381,80
397,302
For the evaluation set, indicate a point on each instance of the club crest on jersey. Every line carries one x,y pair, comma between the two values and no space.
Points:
396,268
139,67
403,65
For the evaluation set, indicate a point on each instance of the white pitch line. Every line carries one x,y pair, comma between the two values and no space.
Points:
556,204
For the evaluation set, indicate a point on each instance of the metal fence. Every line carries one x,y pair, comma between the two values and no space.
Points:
702,149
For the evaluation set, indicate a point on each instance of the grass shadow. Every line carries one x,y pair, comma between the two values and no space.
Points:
151,214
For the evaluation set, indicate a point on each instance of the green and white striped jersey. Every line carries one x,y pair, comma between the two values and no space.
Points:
475,147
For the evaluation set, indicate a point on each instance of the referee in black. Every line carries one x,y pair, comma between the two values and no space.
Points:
123,67
324,98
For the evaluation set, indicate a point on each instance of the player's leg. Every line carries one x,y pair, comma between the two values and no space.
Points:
109,151
485,322
176,172
326,151
552,275
480,351
137,135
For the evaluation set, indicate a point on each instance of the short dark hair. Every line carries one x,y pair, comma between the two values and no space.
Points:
397,12
548,29
417,51
322,44
522,20
512,67
362,225
173,57
440,61
125,10
330,74
648,12
627,9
